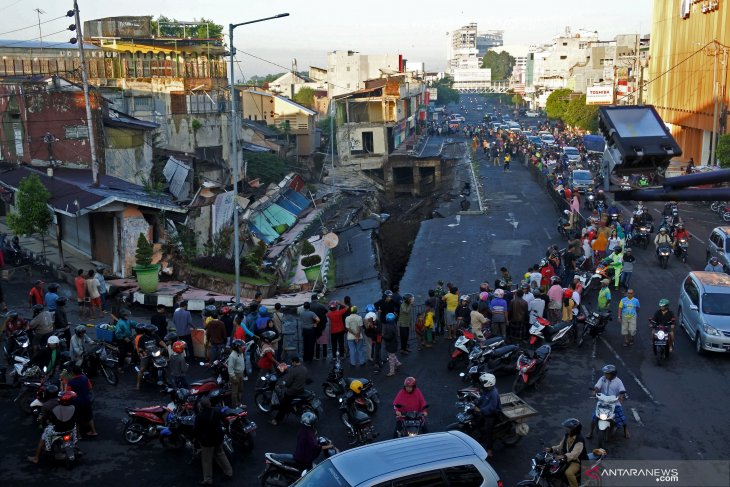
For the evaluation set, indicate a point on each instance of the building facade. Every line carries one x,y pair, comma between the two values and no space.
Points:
690,44
347,71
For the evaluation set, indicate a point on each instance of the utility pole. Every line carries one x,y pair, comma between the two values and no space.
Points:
40,32
85,81
234,153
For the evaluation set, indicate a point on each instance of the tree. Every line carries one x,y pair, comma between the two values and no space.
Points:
580,115
143,255
31,215
327,125
518,100
305,97
500,63
723,151
445,93
267,167
557,103
167,27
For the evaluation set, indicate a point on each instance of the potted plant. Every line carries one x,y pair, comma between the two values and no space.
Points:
148,274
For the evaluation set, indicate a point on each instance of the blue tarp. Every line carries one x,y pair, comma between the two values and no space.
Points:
594,143
262,223
293,202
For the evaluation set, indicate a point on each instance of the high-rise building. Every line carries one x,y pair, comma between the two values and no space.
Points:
489,39
465,49
348,70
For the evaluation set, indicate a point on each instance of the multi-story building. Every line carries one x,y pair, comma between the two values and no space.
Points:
466,47
348,71
689,47
489,39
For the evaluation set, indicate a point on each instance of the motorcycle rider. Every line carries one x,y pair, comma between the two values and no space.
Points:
296,379
49,357
571,449
680,233
714,265
41,325
662,239
609,384
665,317
407,400
670,207
62,418
612,209
79,344
148,336
13,322
308,448
489,407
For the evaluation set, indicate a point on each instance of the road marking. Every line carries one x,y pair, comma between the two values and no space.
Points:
595,346
458,221
630,372
494,266
636,416
547,233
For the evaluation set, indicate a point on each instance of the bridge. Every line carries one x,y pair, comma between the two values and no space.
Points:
480,86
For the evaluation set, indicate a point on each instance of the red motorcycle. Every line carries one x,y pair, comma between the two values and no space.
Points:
239,427
145,423
218,381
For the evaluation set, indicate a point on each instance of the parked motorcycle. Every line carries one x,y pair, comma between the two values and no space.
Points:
508,431
239,427
660,342
461,348
410,423
594,324
359,425
531,368
682,249
218,381
559,334
281,469
145,423
270,391
337,385
483,350
663,252
17,344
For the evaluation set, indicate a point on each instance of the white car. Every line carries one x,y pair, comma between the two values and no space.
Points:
548,139
531,114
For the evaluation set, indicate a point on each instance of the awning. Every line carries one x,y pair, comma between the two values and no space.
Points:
293,202
263,223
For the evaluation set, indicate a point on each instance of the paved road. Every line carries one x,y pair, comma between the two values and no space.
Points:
682,406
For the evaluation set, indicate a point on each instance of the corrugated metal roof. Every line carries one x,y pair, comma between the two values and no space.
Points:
115,118
293,202
254,148
176,173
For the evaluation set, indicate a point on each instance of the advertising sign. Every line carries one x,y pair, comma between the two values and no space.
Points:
433,94
599,95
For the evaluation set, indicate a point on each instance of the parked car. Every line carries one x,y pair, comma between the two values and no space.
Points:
531,114
718,245
446,459
581,179
704,310
548,139
535,140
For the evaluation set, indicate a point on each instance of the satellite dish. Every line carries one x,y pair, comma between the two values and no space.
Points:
330,240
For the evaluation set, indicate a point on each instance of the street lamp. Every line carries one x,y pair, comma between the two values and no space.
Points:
234,153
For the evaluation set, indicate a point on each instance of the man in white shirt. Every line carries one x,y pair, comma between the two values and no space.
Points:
536,307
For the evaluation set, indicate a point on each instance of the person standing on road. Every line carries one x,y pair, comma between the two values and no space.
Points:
477,320
355,338
182,320
81,385
390,337
310,323
35,295
536,307
92,289
99,276
604,295
236,369
451,301
321,311
507,158
714,265
628,309
627,269
208,430
404,322
518,313
555,306
500,316
215,332
336,319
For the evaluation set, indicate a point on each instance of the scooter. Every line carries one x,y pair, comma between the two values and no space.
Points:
239,427
281,469
483,350
531,368
462,347
509,432
359,425
337,385
682,249
661,342
271,390
606,414
63,447
559,334
663,252
590,199
410,423
642,236
594,324
548,471
16,345
157,376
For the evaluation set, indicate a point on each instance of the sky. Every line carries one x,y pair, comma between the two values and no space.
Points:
415,28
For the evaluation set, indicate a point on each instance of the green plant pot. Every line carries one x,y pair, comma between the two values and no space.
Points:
148,277
313,272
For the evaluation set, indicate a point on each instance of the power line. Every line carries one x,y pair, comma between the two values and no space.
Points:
33,39
8,6
31,26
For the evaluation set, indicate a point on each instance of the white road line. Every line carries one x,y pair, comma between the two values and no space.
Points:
595,346
547,233
636,416
630,372
494,266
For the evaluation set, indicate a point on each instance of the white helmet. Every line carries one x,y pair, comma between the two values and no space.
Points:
53,340
487,380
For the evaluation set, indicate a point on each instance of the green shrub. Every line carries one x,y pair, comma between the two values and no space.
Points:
311,260
307,248
144,251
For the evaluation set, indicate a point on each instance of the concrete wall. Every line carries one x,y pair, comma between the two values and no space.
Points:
128,154
133,223
349,137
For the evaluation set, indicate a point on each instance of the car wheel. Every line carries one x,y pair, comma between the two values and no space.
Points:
698,344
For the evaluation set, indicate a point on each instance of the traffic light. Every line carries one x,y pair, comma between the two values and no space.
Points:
636,139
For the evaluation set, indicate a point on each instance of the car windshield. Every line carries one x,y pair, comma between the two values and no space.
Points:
715,304
570,150
582,175
323,475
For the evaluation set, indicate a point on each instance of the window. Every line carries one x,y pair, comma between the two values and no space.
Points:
464,476
367,142
565,43
201,103
691,289
323,475
76,132
563,57
348,69
178,104
434,478
716,304
143,104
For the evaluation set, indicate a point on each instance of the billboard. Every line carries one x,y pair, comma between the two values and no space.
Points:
433,94
599,95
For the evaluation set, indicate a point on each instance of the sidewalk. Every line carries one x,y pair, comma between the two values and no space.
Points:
64,269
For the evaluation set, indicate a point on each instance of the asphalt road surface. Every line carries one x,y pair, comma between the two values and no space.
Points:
676,411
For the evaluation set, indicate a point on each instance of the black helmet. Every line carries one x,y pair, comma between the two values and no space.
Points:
308,419
51,391
61,301
150,328
210,310
37,308
80,329
124,313
171,337
573,426
268,336
215,396
237,343
609,369
53,287
12,315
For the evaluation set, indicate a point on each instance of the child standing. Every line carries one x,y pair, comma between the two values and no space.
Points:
428,326
420,329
